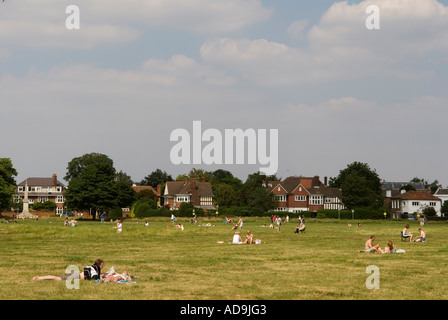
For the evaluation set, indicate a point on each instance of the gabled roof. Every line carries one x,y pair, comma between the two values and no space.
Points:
137,189
188,187
441,192
417,195
312,184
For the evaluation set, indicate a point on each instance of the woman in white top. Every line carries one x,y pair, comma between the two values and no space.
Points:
237,238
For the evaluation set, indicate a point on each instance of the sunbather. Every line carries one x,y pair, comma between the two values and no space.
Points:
117,277
421,237
369,247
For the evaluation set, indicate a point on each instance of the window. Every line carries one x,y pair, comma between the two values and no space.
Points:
415,203
59,210
42,199
60,199
280,198
300,198
182,199
316,200
432,204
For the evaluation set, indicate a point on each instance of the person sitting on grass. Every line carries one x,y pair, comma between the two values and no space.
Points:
300,228
390,248
421,237
237,238
406,234
249,238
369,247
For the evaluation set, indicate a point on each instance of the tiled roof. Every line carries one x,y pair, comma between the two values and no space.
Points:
441,191
186,187
40,182
312,184
417,195
137,189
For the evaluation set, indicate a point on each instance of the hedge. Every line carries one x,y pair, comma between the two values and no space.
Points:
359,213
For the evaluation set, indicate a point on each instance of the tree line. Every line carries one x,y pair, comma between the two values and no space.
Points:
95,185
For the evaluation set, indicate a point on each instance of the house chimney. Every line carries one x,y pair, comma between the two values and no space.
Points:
326,181
54,180
159,189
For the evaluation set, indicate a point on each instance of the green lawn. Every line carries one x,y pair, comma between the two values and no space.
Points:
323,263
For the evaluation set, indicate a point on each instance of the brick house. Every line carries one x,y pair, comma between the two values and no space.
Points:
199,193
42,190
296,194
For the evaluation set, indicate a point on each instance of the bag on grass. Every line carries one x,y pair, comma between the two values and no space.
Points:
92,272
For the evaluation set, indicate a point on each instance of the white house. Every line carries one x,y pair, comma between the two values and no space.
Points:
442,194
415,202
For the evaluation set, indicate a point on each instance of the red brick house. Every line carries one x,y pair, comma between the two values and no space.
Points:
199,193
42,190
296,194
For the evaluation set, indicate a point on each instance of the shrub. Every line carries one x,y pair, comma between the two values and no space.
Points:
143,210
116,213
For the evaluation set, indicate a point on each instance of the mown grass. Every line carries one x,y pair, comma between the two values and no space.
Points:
324,263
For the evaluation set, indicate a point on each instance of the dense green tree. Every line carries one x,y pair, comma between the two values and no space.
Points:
361,186
7,183
253,193
219,175
444,208
123,177
125,194
155,178
225,195
91,183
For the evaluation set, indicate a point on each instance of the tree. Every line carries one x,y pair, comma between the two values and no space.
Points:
225,195
91,183
7,183
253,193
433,186
444,209
125,194
219,175
361,186
199,174
155,178
123,177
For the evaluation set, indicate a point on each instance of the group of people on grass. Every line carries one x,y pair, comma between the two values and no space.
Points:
390,248
92,272
420,238
249,238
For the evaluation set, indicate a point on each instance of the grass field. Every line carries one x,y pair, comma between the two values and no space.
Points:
324,263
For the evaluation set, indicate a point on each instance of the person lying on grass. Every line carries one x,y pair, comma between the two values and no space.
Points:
98,266
117,277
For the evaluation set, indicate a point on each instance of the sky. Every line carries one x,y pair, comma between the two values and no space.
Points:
136,70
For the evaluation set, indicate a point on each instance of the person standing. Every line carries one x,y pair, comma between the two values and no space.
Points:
279,223
119,226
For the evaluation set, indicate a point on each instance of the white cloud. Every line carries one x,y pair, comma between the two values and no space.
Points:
42,23
340,47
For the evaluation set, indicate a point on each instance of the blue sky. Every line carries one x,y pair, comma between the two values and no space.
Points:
133,73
